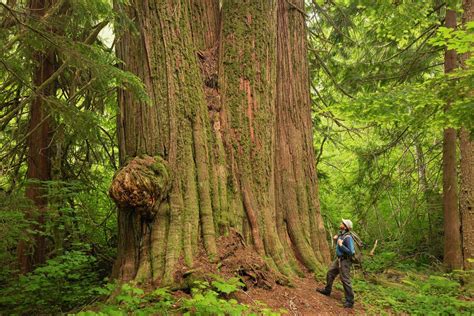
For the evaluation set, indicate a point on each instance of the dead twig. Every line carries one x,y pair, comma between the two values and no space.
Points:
373,248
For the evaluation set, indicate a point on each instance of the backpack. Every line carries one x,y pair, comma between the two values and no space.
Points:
358,245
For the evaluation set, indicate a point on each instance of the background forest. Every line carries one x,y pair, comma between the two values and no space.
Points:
379,95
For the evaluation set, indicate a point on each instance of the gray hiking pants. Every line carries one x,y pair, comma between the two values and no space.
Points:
342,266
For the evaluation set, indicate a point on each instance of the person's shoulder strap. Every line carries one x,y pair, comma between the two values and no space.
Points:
355,238
346,235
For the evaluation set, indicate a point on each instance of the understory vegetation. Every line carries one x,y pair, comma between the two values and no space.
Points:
393,284
378,92
388,283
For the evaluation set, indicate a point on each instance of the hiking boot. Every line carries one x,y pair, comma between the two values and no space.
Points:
324,292
348,305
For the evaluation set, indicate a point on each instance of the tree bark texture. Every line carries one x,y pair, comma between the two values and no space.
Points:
205,23
297,197
452,222
466,193
32,250
174,125
216,146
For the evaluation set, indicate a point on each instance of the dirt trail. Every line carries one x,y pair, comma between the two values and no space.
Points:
302,299
264,285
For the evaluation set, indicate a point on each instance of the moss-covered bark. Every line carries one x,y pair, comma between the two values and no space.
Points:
205,23
248,83
239,151
466,190
297,199
172,125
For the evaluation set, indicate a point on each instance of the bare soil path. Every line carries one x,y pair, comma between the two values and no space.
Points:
302,299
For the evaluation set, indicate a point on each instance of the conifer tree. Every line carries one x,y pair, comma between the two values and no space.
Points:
225,141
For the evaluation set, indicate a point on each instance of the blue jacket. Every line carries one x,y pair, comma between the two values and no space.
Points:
347,247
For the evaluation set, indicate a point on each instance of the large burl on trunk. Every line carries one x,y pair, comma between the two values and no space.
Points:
141,190
223,147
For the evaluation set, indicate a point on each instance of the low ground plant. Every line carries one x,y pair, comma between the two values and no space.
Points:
64,282
404,289
206,298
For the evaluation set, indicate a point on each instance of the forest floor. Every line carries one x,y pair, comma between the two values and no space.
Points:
239,275
264,286
300,299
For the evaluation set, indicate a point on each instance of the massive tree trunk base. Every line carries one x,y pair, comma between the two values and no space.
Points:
466,194
234,258
142,192
239,155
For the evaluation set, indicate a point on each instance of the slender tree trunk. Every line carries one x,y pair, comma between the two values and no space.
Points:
32,250
203,155
466,194
452,224
421,166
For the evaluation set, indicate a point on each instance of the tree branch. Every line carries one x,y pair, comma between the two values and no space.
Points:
320,153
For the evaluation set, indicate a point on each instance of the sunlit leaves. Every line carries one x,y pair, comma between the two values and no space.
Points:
461,40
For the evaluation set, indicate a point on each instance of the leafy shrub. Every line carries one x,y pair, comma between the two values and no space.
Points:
128,299
67,281
207,298
379,262
12,226
416,294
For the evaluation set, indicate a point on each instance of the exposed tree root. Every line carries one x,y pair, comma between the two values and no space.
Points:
235,259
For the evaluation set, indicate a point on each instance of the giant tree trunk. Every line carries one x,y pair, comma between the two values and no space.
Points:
452,224
215,147
31,251
205,23
164,198
296,183
466,197
248,74
466,194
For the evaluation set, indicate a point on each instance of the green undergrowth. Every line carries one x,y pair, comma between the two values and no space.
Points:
205,298
66,281
412,287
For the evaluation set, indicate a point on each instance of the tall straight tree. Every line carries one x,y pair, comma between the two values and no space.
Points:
224,141
452,224
466,192
32,250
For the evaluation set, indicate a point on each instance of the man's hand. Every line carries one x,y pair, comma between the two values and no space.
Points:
335,237
339,242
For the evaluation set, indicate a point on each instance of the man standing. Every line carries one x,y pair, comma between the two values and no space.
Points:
344,251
